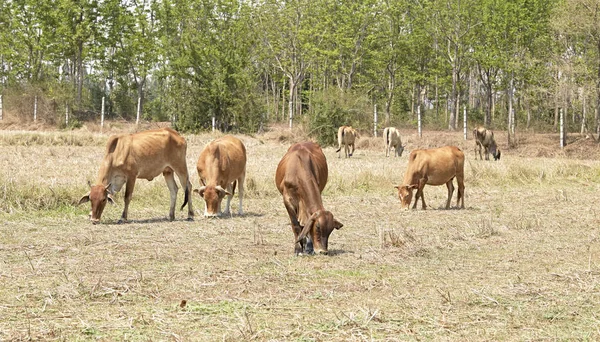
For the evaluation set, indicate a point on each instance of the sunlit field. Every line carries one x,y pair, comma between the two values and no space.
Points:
521,262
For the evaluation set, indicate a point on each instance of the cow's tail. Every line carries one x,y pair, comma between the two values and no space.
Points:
188,187
387,137
340,139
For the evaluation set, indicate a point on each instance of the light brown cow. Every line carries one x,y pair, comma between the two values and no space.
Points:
301,177
140,155
391,138
220,166
435,166
346,137
484,139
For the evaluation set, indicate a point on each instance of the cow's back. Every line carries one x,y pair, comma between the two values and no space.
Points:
438,165
222,161
301,161
144,153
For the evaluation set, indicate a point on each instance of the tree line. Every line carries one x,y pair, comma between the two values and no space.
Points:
320,63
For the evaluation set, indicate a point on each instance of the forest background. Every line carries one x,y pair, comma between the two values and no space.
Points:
316,63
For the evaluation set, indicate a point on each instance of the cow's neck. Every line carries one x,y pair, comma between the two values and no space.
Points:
110,175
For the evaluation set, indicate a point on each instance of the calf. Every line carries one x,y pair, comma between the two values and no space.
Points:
484,138
346,137
434,167
301,177
391,138
222,164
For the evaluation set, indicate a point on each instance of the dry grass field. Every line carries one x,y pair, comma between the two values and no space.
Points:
521,262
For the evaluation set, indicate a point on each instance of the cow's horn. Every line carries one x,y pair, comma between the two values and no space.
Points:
308,226
220,188
89,184
200,191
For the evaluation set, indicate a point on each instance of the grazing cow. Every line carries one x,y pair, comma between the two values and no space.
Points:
435,166
301,177
346,137
391,138
484,138
220,166
140,155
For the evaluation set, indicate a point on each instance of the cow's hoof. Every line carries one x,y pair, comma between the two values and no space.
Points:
190,219
122,221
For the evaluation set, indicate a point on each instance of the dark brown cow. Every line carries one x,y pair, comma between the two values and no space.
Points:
435,166
140,155
346,137
220,166
301,177
484,139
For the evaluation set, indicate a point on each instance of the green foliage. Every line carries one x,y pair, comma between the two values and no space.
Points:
335,108
191,60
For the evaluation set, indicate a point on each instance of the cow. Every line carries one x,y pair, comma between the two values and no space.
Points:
484,138
435,166
301,177
222,164
391,138
143,155
346,137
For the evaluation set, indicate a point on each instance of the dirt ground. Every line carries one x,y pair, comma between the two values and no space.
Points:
521,262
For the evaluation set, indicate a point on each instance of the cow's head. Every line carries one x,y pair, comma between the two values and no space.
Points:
405,193
319,226
494,150
400,150
98,195
213,195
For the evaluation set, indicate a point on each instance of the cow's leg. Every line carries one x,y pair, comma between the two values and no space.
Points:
292,213
351,153
461,191
487,152
450,187
173,188
241,192
229,197
422,183
129,185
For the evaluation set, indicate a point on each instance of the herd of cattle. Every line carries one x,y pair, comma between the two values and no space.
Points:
300,177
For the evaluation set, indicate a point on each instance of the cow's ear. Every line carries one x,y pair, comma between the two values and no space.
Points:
412,186
337,224
110,199
396,186
85,198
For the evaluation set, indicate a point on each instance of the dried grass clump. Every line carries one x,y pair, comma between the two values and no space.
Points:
51,139
284,135
370,143
25,196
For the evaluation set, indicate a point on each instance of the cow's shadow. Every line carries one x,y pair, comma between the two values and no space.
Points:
150,220
231,216
336,252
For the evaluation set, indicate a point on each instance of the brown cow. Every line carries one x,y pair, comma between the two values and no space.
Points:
435,166
391,138
140,155
220,166
484,138
346,137
301,177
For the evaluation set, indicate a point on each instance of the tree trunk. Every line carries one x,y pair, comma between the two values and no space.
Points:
291,100
454,98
